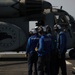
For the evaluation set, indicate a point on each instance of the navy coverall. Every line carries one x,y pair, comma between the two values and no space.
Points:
32,54
45,44
60,45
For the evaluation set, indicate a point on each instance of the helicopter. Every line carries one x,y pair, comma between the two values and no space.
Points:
14,22
15,16
66,21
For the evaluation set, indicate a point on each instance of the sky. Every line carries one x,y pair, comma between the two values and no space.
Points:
68,5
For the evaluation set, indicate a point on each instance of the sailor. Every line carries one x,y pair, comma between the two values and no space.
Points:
44,52
60,46
32,53
52,53
30,33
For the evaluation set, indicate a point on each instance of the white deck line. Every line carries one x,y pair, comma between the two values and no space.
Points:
73,68
68,63
12,54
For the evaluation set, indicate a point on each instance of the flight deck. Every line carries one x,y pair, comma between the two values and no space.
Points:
16,64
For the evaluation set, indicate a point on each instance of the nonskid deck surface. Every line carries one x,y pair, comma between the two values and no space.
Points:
13,63
19,66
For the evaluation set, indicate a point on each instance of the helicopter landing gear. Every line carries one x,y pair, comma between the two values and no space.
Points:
73,72
72,53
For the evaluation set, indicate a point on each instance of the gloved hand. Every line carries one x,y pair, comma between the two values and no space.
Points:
26,55
36,49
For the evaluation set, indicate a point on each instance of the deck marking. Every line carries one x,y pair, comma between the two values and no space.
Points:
68,63
73,68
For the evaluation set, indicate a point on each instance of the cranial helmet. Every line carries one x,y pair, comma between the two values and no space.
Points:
48,28
57,26
42,29
36,27
34,31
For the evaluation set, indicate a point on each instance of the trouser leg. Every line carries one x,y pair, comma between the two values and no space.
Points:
29,68
63,65
63,68
54,64
35,63
47,65
57,69
35,68
40,66
30,64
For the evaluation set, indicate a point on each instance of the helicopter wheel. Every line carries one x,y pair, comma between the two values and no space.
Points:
72,53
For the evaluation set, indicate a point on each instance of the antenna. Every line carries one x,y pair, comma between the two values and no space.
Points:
61,7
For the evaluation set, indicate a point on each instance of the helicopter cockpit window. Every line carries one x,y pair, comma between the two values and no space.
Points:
57,16
62,19
67,17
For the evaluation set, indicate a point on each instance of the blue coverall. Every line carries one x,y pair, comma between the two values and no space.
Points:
45,44
32,54
60,52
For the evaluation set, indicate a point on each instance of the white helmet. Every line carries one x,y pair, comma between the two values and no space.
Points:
36,27
44,28
41,29
57,26
34,31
